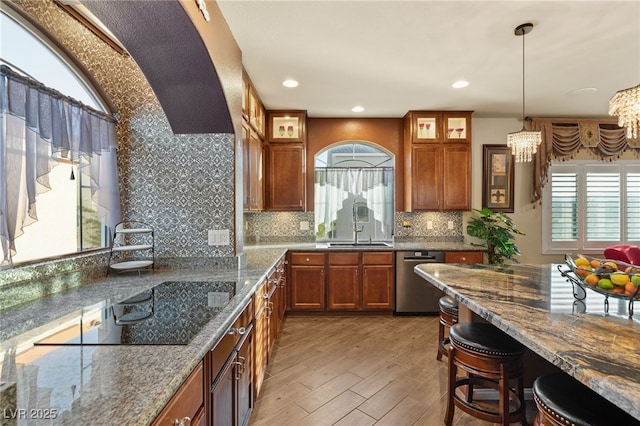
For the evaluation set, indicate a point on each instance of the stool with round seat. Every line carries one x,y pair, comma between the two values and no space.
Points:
448,308
490,359
562,401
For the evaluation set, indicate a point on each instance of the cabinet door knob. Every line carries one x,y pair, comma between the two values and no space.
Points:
464,259
307,259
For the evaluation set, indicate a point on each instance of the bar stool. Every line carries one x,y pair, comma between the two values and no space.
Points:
448,317
490,359
562,400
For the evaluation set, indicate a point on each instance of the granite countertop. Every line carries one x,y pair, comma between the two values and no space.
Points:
127,384
111,384
535,305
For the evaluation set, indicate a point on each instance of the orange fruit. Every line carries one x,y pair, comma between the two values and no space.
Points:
592,279
617,290
630,287
582,271
595,263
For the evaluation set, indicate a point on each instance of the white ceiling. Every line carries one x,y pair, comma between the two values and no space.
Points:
395,56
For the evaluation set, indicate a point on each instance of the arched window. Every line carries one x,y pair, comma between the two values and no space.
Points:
354,193
67,218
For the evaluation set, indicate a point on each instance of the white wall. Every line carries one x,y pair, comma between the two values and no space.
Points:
493,131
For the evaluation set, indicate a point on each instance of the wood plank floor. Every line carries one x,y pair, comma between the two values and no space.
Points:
352,371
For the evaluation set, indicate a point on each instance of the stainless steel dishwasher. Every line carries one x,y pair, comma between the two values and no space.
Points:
414,295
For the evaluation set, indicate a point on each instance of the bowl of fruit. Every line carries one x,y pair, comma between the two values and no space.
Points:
606,276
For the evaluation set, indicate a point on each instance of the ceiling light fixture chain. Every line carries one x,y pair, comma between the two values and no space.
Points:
523,144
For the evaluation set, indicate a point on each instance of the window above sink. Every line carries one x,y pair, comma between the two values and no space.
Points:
354,195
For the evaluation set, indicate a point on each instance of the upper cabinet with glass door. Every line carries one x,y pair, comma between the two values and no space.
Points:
252,109
286,126
438,127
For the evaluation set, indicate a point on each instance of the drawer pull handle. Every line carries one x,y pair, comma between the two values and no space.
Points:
233,331
185,421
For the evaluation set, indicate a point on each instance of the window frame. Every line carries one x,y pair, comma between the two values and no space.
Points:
581,168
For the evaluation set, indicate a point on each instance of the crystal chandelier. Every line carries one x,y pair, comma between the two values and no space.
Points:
524,143
626,105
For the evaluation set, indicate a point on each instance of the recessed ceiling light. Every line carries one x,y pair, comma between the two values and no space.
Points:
581,92
357,108
460,84
290,83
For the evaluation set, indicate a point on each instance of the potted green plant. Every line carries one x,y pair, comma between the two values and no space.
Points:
496,230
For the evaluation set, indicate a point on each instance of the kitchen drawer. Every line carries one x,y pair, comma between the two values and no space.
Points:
186,402
301,258
463,257
377,258
344,258
226,344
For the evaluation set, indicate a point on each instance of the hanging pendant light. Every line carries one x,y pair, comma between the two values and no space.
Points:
625,104
524,143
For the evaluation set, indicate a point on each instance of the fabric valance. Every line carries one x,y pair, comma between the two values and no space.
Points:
563,138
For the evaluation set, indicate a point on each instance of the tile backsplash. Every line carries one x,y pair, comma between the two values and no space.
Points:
286,226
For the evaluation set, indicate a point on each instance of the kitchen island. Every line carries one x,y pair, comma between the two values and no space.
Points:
535,305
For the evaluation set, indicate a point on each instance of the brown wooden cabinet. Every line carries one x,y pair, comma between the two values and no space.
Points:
464,257
252,169
286,161
186,407
343,284
378,281
269,306
231,361
285,177
438,155
355,281
307,281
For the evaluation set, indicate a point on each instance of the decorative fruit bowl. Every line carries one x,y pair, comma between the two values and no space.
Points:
611,278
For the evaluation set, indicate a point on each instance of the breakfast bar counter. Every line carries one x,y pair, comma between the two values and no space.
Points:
535,305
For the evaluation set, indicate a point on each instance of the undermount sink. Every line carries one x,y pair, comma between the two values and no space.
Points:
363,244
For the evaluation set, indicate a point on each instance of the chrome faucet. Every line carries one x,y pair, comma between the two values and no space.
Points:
355,223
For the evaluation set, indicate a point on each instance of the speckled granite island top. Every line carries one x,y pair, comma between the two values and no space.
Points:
535,304
104,384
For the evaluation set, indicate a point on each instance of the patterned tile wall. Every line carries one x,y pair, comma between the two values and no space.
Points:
285,226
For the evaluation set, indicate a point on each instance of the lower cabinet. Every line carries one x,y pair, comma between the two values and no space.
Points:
232,388
307,287
354,281
269,306
378,278
187,405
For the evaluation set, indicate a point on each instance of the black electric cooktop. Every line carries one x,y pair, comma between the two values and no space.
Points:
171,313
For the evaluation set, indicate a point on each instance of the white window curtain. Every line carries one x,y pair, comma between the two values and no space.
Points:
37,126
335,185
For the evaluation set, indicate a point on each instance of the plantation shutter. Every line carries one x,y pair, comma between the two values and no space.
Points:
633,206
564,207
603,206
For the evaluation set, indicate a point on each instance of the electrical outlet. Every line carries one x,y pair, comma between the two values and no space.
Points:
450,224
217,299
429,224
304,225
218,237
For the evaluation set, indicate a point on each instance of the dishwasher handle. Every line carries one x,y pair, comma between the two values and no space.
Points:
423,259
